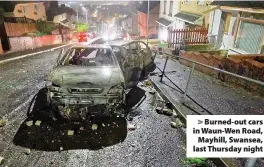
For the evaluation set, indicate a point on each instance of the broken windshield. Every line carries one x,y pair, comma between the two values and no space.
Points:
90,57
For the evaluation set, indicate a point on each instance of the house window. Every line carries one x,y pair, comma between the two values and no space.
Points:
249,36
25,9
171,5
165,4
36,7
200,2
227,22
257,16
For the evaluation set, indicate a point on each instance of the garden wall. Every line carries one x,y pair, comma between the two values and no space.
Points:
26,42
251,66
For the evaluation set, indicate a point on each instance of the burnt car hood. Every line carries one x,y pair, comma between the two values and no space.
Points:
83,76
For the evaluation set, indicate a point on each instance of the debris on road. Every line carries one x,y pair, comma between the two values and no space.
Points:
147,83
70,132
29,123
38,123
167,111
176,123
61,148
94,127
131,127
103,125
27,151
159,110
2,122
174,114
81,128
152,91
2,160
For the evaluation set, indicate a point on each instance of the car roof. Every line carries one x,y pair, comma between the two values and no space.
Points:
119,42
102,46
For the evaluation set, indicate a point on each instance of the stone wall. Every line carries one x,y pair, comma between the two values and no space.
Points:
250,66
23,43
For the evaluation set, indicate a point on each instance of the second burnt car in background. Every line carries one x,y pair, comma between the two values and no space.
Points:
134,57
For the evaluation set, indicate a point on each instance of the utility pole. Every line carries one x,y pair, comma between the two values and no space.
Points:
147,22
77,17
86,17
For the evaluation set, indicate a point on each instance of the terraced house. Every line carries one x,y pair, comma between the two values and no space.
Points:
33,11
175,14
238,26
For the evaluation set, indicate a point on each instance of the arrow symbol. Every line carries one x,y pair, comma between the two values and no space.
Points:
200,122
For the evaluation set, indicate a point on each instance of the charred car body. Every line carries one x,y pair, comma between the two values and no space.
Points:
86,81
134,57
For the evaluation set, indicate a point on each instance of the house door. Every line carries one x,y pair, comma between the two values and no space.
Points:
221,31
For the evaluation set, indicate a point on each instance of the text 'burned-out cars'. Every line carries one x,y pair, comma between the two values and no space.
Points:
87,79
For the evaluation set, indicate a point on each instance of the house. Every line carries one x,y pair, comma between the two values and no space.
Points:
180,14
192,14
65,20
153,10
31,11
166,17
238,26
130,22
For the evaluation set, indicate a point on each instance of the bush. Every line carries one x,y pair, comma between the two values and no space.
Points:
81,27
196,161
44,28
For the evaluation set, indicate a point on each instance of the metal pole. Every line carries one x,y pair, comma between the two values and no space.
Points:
147,22
164,68
188,83
250,162
86,18
77,17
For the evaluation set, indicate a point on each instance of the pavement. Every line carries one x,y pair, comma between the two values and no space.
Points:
14,54
206,95
153,143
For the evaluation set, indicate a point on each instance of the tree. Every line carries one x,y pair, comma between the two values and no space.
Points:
81,27
44,27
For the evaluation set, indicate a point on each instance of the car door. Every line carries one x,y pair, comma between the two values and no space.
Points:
131,63
145,54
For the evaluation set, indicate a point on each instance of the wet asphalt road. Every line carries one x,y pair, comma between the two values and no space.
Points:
152,143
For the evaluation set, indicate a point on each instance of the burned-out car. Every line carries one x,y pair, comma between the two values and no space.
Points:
86,81
135,58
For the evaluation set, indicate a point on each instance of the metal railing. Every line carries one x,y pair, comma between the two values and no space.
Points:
194,63
251,161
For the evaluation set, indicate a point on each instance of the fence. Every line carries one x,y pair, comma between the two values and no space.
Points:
188,36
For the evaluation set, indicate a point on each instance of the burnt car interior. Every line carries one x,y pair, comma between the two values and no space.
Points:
90,57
